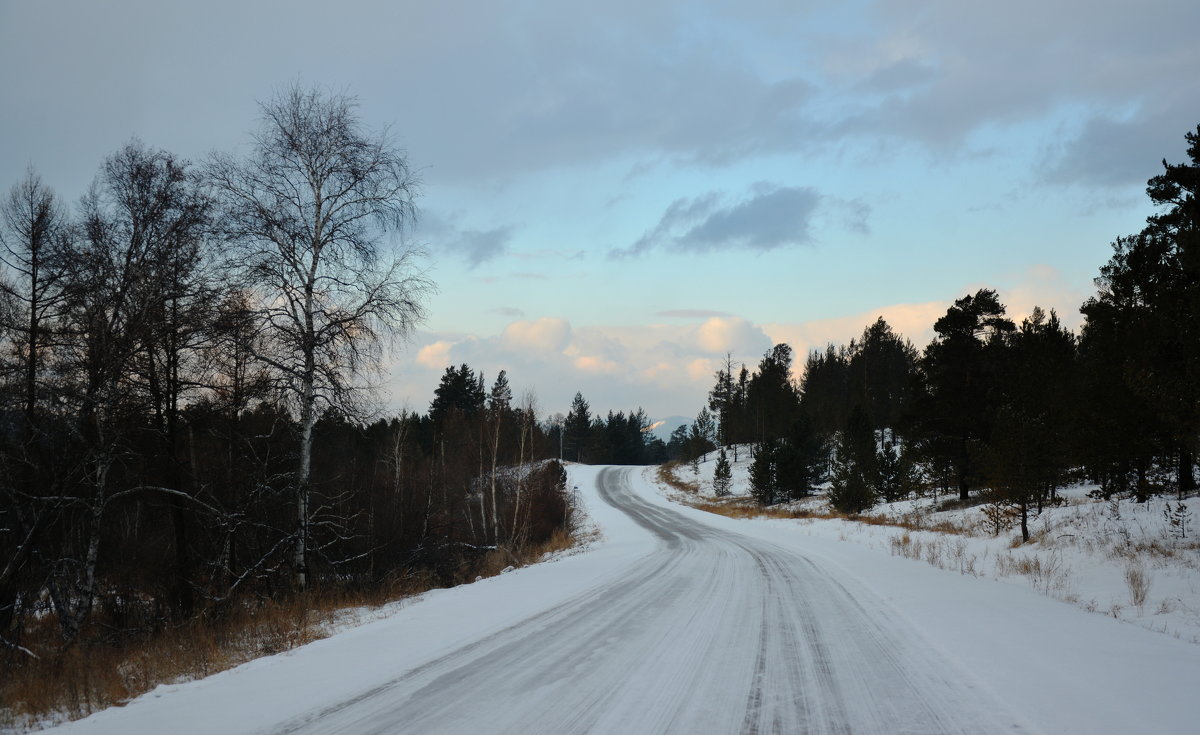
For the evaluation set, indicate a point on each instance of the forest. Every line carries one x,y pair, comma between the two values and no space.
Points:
991,409
187,424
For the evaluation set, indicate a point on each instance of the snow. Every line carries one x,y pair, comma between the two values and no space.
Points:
1080,551
1068,671
657,625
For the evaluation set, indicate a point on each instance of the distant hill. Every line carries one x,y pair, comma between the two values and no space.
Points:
662,428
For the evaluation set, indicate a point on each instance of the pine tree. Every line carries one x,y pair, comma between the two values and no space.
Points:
700,439
722,476
1030,452
460,390
879,374
677,443
500,398
722,401
960,374
799,460
763,481
1149,300
772,398
893,474
854,468
577,428
825,389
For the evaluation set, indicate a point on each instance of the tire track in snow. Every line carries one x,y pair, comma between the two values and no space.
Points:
712,632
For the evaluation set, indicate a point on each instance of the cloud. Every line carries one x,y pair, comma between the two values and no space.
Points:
595,364
541,335
903,73
665,368
668,368
690,313
768,217
964,78
1039,285
474,246
1044,286
721,335
541,87
1111,151
509,311
435,356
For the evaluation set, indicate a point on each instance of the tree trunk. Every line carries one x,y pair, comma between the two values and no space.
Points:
495,451
525,427
303,480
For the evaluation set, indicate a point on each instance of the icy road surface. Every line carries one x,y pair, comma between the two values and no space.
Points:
711,632
687,623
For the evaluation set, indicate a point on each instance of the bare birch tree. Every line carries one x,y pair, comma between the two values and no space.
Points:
309,210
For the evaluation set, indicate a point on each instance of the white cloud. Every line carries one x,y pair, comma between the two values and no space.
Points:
595,364
543,335
1044,286
668,368
434,356
720,335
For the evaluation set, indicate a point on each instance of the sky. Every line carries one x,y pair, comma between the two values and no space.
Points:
616,195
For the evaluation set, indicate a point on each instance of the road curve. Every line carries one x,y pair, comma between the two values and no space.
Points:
713,632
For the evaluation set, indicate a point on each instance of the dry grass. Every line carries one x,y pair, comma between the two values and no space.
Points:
1046,573
1138,582
666,474
93,674
742,507
940,551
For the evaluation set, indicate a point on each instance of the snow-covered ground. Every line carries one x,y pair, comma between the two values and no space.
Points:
1119,558
683,621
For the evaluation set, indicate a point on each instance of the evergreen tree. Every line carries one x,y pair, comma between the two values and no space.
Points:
577,428
894,476
825,389
880,372
677,443
799,460
1149,300
500,398
1030,451
742,432
854,468
763,484
1118,459
701,438
722,476
772,399
459,391
955,405
722,401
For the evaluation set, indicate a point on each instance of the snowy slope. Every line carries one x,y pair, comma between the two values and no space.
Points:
1083,551
681,621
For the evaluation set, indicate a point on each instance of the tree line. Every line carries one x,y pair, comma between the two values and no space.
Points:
615,438
186,360
990,407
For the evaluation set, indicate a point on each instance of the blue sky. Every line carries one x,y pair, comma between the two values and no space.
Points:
616,194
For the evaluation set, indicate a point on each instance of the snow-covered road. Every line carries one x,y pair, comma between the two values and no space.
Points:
684,622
